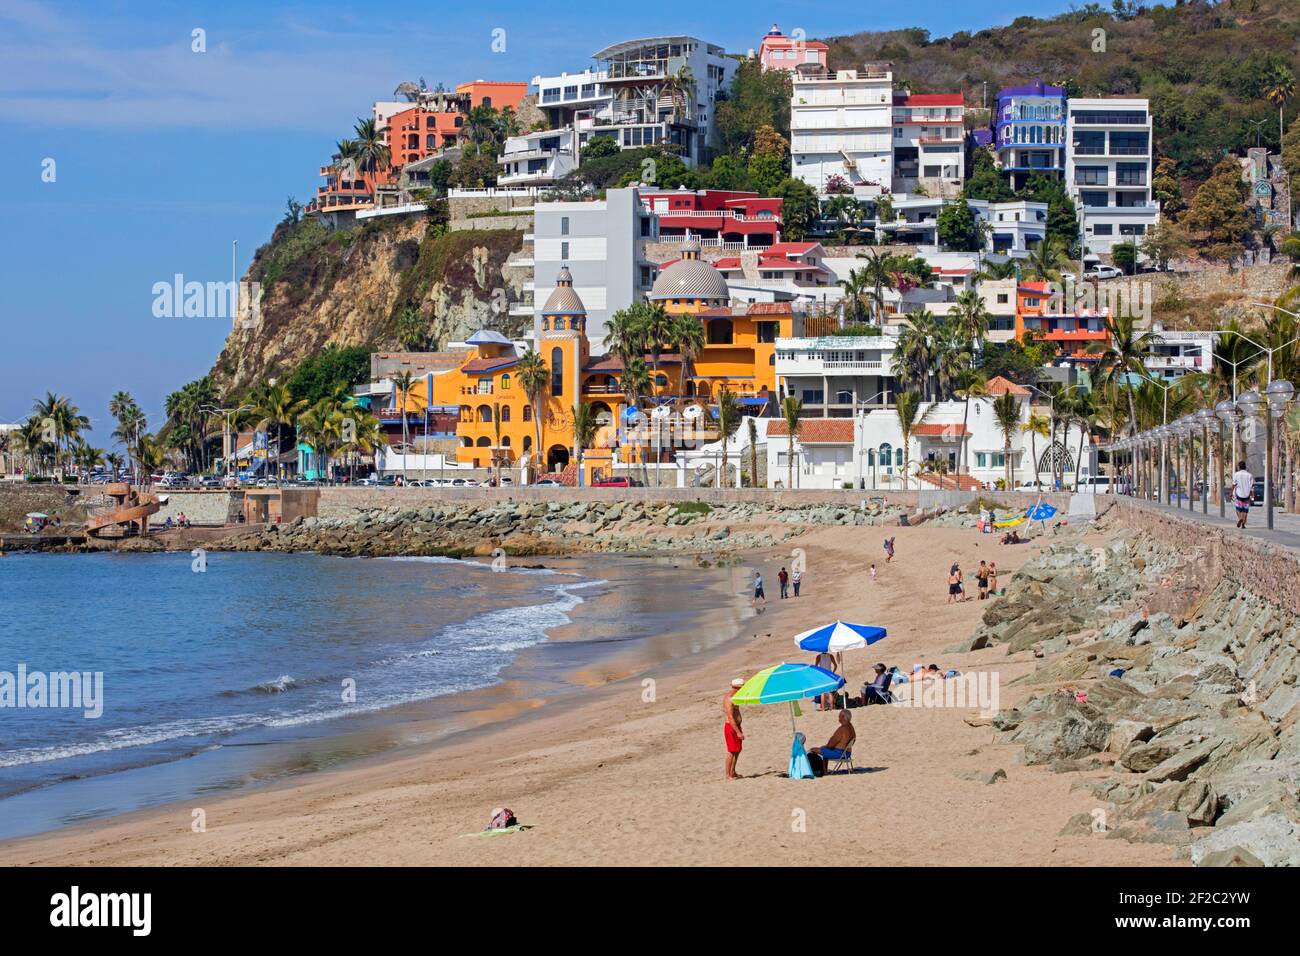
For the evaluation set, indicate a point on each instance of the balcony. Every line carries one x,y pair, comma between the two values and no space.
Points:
1186,362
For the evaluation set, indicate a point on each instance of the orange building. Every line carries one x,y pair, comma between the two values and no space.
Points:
494,93
418,132
1080,333
739,352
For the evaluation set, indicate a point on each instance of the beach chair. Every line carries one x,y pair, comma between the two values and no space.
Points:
833,765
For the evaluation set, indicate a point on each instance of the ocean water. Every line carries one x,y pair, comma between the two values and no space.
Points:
217,678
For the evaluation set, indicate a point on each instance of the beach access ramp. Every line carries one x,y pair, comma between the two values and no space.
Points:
129,514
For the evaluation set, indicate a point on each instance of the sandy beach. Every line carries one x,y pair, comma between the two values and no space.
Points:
616,778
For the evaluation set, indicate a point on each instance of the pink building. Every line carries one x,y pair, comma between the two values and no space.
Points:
715,216
780,52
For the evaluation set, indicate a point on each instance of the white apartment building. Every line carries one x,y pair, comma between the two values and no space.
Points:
629,96
1180,353
929,143
1108,168
835,375
842,124
538,159
603,245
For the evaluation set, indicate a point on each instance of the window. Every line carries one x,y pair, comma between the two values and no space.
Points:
719,332
528,413
564,225
1003,298
1132,229
1103,229
661,380
1094,198
505,382
505,413
564,251
1130,174
557,371
485,413
767,331
485,386
1090,175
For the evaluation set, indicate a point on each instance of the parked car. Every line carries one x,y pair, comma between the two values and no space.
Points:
1102,272
209,481
460,482
548,483
617,482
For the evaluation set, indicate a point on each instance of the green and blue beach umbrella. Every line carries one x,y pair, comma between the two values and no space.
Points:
787,682
839,636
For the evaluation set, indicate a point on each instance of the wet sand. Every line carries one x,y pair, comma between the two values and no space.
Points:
632,773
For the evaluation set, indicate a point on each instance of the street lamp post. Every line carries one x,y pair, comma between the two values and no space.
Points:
1228,414
1205,417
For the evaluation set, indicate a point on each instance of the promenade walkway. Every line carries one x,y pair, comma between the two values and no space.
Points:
1286,527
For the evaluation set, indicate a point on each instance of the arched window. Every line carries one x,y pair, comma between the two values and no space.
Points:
898,457
528,443
546,325
559,323
484,442
1055,455
505,382
603,414
886,453
557,371
505,413
719,332
661,380
466,442
485,413
528,413
505,441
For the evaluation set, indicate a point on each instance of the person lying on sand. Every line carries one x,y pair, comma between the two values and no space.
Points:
841,741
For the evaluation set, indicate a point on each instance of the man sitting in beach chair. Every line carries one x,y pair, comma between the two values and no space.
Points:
877,692
839,748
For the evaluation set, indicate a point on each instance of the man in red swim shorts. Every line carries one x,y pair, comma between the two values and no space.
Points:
731,728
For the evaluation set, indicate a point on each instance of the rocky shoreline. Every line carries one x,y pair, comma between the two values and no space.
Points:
1171,689
550,528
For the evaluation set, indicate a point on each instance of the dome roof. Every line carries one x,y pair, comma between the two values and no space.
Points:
690,278
564,301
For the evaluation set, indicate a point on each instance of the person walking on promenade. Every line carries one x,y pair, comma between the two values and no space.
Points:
1243,490
784,580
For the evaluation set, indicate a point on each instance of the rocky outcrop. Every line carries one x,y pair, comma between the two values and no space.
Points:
349,288
459,529
1182,688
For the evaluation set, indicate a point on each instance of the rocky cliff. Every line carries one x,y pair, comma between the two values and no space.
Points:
350,287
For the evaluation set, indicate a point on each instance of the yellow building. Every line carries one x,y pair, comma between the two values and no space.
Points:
498,424
739,352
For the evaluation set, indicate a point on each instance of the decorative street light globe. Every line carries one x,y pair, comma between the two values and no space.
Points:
1227,411
1278,393
1206,418
1250,403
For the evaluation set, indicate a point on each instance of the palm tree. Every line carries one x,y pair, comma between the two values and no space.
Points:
372,153
1279,91
481,128
680,87
686,334
403,382
367,436
64,417
1083,413
1036,425
151,455
635,382
996,271
585,426
1047,259
970,385
915,353
879,272
855,289
791,411
1123,357
533,376
753,451
114,462
728,422
1006,412
969,319
908,407
276,407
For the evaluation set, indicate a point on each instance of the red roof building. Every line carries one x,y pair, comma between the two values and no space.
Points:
716,216
815,431
1081,334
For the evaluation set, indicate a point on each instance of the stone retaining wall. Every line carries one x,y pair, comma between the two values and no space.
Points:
201,507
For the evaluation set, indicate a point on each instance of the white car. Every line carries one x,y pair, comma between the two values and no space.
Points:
1103,272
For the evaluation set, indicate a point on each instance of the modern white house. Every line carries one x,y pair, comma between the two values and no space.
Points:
842,124
1108,168
865,449
1015,226
538,159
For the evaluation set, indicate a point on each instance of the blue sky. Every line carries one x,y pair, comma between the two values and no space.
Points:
163,155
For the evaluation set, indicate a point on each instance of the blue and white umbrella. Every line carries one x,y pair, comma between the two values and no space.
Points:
839,636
